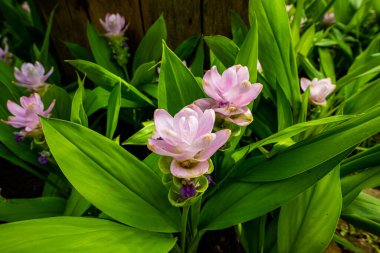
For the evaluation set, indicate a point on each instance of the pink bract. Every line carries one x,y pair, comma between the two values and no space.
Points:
26,115
188,139
231,92
32,76
319,89
114,24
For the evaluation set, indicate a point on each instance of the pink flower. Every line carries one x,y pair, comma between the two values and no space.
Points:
25,6
26,115
319,89
187,138
329,18
230,94
32,76
114,24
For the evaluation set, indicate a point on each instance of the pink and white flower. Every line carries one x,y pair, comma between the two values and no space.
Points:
26,115
319,89
188,139
32,76
114,24
230,94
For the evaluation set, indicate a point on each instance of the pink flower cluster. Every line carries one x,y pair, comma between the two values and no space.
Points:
32,76
319,89
188,138
114,24
26,115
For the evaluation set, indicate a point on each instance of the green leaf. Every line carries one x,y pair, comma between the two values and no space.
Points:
25,209
77,205
365,98
284,111
224,48
62,99
113,110
360,161
307,223
78,51
187,47
288,132
353,184
150,47
239,28
327,63
144,74
239,201
108,80
101,51
177,86
346,244
296,23
276,51
111,178
98,98
77,234
78,114
142,136
197,65
44,52
306,42
248,53
309,153
365,206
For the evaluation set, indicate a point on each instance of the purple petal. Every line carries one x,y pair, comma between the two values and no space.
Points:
15,109
220,139
205,103
210,83
243,94
242,74
207,121
196,170
229,79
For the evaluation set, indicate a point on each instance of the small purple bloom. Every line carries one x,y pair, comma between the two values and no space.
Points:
26,115
32,76
230,94
114,25
5,55
187,138
188,191
319,89
43,158
19,136
210,181
329,18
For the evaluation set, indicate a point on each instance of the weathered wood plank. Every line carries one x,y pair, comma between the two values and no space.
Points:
183,18
217,18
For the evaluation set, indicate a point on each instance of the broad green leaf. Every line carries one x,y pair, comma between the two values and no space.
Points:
362,160
151,89
276,51
62,99
79,52
187,47
342,10
98,98
306,43
197,65
144,74
248,54
353,184
77,205
365,98
239,28
150,47
6,80
142,136
101,51
284,111
108,80
289,132
224,48
327,63
78,114
240,201
310,153
366,206
307,223
113,110
177,86
252,236
214,61
296,22
77,234
111,178
44,52
25,209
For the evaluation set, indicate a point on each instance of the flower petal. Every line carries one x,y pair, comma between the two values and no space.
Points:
198,169
305,83
206,121
220,139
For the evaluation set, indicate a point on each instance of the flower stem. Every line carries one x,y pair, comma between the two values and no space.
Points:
185,213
